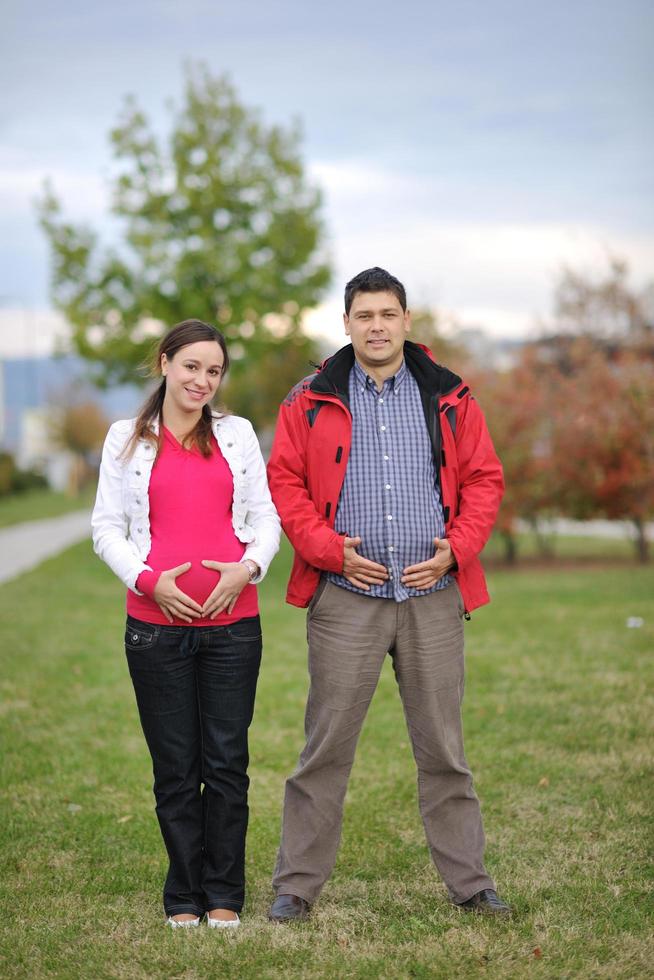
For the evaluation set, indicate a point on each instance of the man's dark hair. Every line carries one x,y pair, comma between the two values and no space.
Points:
374,280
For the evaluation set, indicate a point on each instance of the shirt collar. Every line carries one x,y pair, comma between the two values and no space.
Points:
365,381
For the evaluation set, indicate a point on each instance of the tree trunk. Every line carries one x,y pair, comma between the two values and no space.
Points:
74,476
510,547
641,542
544,545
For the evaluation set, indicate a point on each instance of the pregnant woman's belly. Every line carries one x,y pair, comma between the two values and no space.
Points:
198,582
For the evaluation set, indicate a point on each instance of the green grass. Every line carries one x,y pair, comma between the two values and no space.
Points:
563,548
36,504
558,720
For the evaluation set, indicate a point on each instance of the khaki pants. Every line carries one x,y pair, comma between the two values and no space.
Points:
349,635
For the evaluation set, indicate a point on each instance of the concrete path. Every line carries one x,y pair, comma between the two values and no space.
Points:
614,530
24,546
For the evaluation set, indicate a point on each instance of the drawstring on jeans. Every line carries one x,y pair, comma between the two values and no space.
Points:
191,642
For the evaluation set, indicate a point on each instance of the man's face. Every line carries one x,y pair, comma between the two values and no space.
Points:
377,326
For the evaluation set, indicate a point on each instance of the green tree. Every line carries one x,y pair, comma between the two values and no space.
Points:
218,223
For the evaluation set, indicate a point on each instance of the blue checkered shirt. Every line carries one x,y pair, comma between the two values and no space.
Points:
390,496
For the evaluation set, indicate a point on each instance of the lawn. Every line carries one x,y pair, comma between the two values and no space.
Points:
36,504
559,724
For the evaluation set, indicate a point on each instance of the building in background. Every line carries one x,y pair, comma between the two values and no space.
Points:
32,391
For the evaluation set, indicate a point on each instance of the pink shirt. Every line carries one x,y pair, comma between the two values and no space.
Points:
190,520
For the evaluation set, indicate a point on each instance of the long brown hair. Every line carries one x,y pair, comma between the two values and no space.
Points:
182,334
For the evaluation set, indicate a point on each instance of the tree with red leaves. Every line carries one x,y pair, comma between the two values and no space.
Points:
602,448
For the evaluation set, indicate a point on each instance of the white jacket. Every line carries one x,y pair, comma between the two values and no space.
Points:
121,516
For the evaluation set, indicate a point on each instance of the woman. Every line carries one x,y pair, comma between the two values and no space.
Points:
183,516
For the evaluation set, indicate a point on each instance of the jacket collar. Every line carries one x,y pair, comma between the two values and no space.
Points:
145,446
334,374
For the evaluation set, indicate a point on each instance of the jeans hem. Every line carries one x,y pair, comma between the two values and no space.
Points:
220,903
179,909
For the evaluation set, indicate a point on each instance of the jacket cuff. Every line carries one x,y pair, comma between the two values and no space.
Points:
332,559
460,553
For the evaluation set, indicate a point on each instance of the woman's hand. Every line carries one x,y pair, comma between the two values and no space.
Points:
171,600
234,576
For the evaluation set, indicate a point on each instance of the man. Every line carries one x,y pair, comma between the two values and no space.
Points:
387,485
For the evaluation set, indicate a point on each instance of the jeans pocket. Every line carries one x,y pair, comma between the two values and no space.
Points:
140,637
245,630
317,596
460,603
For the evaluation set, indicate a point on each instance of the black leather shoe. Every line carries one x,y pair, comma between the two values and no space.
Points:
487,902
288,908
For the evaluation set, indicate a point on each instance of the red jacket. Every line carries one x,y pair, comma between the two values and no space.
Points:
310,453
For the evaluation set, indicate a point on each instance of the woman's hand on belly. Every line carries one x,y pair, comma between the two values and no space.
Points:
234,576
171,600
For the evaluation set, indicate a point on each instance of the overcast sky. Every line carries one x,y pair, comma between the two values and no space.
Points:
470,147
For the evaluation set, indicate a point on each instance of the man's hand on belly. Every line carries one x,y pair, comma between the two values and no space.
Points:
360,571
427,573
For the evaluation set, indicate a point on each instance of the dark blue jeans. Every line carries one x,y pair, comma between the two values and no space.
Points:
195,688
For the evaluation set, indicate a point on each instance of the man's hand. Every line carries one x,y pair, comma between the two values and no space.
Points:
234,576
171,600
358,570
427,573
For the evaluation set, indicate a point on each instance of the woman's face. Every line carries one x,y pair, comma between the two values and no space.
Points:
193,375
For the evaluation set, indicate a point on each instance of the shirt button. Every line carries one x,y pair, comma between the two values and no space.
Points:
243,500
381,401
140,530
243,471
391,548
138,472
388,486
386,457
229,445
389,517
383,428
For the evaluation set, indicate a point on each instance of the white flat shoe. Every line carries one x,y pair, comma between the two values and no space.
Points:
184,924
224,923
